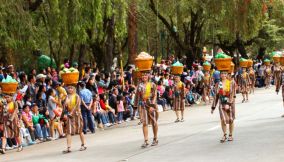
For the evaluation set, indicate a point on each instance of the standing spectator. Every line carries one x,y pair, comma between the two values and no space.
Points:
86,104
92,86
113,99
102,85
32,89
120,109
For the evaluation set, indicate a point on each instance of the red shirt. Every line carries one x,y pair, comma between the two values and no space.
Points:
103,105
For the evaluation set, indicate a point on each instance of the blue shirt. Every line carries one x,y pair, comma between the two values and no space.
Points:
216,76
86,95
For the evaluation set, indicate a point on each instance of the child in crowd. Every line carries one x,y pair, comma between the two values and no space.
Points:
120,109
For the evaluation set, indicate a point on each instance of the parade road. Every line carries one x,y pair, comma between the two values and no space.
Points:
259,132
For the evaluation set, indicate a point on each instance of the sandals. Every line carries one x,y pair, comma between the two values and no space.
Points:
145,144
3,151
243,100
177,120
224,138
20,148
230,138
66,151
83,148
182,120
155,142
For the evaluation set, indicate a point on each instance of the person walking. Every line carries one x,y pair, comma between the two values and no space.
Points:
74,123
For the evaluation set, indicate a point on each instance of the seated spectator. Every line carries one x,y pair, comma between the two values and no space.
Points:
100,114
128,113
40,124
110,111
27,119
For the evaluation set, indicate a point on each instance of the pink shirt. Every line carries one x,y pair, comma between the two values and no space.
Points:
28,116
120,107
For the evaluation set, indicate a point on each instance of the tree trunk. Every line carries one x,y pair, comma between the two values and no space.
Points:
261,52
82,53
72,53
109,46
132,32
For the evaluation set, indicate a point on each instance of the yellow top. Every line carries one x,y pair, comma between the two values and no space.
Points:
179,85
72,102
11,107
147,93
227,86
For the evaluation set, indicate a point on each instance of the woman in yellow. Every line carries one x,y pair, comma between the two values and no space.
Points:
206,88
252,78
11,127
147,94
244,84
277,76
267,76
179,96
225,97
74,123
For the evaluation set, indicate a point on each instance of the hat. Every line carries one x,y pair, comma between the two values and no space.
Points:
75,64
39,76
55,83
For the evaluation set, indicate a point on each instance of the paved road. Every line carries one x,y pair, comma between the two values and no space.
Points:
258,137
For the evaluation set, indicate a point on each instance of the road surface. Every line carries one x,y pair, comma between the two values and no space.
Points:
259,132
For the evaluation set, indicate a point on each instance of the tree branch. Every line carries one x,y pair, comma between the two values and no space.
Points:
167,24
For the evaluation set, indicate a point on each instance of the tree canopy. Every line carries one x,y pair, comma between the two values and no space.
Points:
97,31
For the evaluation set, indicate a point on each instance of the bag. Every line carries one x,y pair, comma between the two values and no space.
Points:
57,112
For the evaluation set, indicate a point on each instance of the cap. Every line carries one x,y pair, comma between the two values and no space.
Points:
39,76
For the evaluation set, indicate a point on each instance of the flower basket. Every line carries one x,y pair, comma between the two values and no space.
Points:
232,68
223,63
250,63
267,63
276,59
70,78
282,60
136,74
144,64
206,67
244,64
9,88
177,70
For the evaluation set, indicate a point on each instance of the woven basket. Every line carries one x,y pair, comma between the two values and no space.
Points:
70,78
206,67
232,69
177,70
9,88
137,74
250,63
267,63
244,64
282,60
276,59
223,63
144,65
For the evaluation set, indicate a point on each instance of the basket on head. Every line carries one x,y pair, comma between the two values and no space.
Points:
223,64
244,64
250,63
206,67
9,88
232,68
70,78
282,60
276,58
177,70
